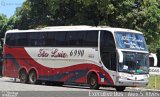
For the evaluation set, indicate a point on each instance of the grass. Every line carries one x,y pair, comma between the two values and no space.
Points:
154,82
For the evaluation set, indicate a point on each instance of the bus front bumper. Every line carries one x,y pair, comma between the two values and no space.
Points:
132,83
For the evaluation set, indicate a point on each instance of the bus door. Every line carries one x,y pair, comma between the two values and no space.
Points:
108,53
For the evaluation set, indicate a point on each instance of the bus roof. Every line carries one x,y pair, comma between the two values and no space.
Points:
74,28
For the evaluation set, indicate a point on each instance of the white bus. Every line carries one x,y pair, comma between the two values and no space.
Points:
98,56
153,60
154,69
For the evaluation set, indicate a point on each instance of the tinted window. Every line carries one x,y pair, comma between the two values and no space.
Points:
60,39
75,38
109,60
37,39
10,39
16,39
50,40
54,39
107,41
151,61
108,50
91,39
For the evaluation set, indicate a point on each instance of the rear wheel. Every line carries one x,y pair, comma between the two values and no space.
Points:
32,77
93,82
120,88
23,76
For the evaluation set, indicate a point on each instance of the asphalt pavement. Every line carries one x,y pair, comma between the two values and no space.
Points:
11,88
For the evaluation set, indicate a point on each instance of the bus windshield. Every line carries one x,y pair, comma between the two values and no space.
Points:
131,41
134,63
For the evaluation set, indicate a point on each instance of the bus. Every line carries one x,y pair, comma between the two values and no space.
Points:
153,60
154,68
97,56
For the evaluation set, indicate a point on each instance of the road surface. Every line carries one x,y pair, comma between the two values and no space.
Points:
10,88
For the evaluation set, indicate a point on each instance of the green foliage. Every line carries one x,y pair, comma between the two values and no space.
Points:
150,15
154,82
3,24
3,28
141,15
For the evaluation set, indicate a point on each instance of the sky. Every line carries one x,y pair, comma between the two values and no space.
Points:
8,7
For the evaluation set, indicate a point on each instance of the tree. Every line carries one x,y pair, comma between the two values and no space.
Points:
141,15
3,24
3,27
149,22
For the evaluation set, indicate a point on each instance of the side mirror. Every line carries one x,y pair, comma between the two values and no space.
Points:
120,56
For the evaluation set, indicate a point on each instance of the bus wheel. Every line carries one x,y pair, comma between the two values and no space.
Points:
93,82
23,76
32,77
120,88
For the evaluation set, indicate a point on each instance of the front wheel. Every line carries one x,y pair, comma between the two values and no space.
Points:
32,77
120,88
93,82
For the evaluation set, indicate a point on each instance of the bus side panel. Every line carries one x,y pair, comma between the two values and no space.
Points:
17,58
78,74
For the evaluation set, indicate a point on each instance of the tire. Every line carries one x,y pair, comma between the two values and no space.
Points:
93,82
23,76
120,88
32,77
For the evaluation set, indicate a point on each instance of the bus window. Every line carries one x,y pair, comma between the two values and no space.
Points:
50,40
37,39
91,39
108,50
10,41
60,39
151,62
75,39
17,39
107,41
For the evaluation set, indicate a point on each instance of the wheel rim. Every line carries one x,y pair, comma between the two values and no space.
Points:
23,77
93,81
32,78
